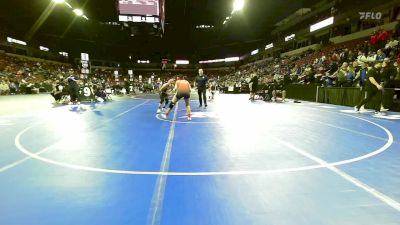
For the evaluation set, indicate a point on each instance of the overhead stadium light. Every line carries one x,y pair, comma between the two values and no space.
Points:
269,46
12,40
182,62
290,37
322,24
232,59
59,1
78,12
255,52
212,61
238,5
204,26
44,48
63,54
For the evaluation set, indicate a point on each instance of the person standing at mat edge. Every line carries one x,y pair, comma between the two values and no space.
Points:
253,86
201,83
182,87
73,89
372,88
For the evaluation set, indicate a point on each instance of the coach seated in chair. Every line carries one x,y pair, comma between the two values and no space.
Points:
307,77
279,87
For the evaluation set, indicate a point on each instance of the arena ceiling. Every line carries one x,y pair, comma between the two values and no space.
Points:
246,31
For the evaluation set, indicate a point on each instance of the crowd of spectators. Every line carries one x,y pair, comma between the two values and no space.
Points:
341,65
23,75
335,65
20,75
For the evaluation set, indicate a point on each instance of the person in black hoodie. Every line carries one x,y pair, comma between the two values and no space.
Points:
372,87
254,87
73,89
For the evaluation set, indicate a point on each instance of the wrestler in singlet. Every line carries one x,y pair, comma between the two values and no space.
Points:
183,89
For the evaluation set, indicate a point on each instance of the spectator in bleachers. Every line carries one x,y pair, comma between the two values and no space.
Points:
361,57
344,56
392,44
361,75
350,74
28,87
383,37
356,67
351,57
335,58
380,56
320,73
397,66
392,55
341,75
374,38
371,56
4,88
14,87
366,47
307,77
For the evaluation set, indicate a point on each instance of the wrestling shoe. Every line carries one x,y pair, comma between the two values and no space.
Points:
377,113
159,111
356,109
383,109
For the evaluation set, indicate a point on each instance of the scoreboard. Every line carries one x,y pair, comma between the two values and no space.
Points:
142,11
139,7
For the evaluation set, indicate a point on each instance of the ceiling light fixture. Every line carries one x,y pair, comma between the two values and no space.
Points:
238,5
78,12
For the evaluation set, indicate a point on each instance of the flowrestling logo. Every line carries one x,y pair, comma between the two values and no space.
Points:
370,15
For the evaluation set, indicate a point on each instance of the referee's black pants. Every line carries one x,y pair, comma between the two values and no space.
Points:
74,93
371,92
202,96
